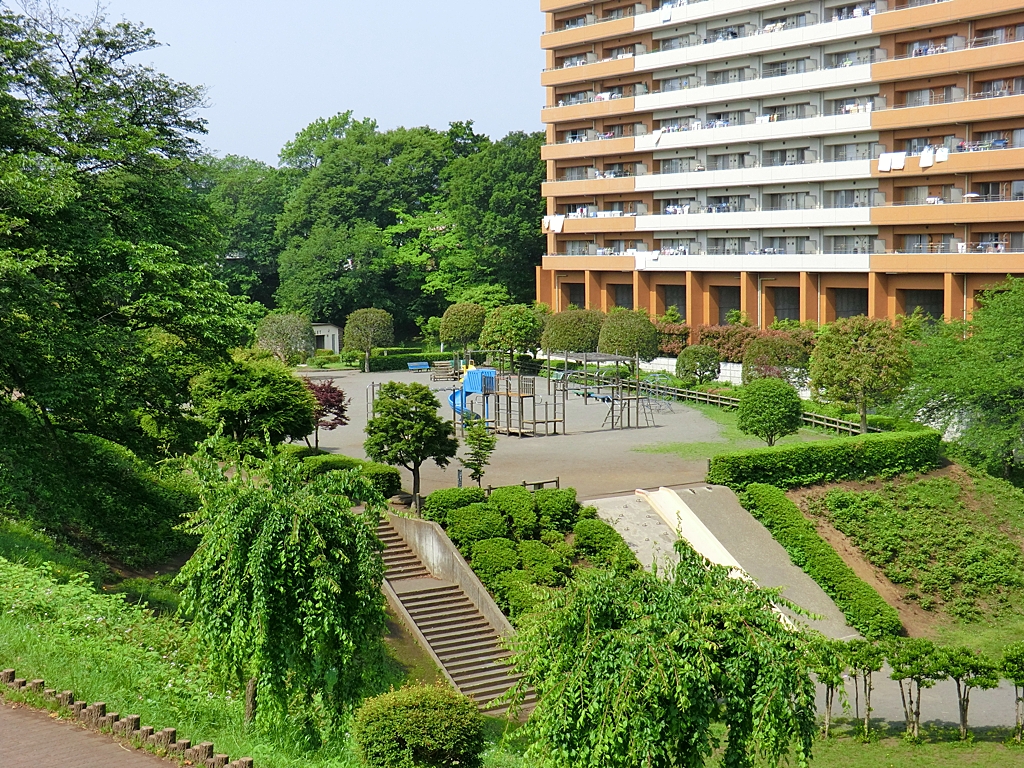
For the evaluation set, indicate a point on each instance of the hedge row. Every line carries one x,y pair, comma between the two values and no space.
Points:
401,362
387,480
864,608
848,458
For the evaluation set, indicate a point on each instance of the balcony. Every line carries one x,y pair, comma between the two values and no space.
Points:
766,260
969,109
971,211
758,219
974,56
756,176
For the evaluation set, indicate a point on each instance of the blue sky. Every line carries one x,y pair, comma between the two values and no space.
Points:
273,67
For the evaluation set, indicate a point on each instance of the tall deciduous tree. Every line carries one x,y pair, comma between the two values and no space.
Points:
406,430
968,670
1012,668
284,589
638,670
860,362
288,337
915,664
574,330
331,407
367,329
769,409
514,328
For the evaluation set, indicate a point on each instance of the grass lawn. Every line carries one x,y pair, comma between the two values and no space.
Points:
730,437
951,541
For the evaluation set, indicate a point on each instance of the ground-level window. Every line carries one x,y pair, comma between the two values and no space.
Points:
622,295
929,302
675,296
321,341
728,301
787,303
577,294
851,302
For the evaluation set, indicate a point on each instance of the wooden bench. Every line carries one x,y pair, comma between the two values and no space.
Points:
419,367
443,371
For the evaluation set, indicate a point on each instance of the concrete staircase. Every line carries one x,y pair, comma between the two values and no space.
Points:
465,645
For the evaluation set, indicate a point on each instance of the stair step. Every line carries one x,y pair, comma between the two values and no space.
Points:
441,619
456,651
405,571
491,657
437,608
431,594
488,672
441,631
458,633
473,639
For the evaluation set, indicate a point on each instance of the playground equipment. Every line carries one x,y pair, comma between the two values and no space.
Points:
628,404
508,404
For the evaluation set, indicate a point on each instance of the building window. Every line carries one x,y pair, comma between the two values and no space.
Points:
321,341
577,294
929,302
675,296
851,302
622,295
577,247
728,301
787,303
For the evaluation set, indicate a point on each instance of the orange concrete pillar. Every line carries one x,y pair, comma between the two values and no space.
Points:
748,295
642,291
592,290
546,288
695,300
954,296
878,295
809,298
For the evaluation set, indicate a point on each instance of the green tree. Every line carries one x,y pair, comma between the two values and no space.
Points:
287,337
860,362
461,324
699,364
829,664
620,681
514,328
776,354
481,444
574,330
1012,668
865,658
487,296
968,670
367,329
307,150
769,409
406,431
915,664
254,398
284,589
629,334
967,377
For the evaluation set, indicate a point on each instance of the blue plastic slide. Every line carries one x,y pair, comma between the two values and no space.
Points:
457,400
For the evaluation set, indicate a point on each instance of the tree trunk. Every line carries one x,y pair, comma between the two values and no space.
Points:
830,693
1019,693
316,438
856,697
250,701
867,702
964,701
908,708
416,488
863,416
367,361
917,712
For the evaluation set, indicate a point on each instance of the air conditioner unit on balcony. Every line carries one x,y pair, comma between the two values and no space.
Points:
641,209
639,8
640,169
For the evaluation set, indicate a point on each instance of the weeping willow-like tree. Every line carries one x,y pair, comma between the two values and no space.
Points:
640,670
284,590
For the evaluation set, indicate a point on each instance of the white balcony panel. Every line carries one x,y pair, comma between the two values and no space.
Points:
796,219
778,174
761,88
697,11
757,132
755,45
754,262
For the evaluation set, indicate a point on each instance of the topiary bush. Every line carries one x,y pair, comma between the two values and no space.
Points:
698,364
844,458
462,323
557,508
468,525
314,466
602,545
387,480
543,564
493,557
863,607
517,594
629,333
440,503
769,409
574,330
519,508
421,726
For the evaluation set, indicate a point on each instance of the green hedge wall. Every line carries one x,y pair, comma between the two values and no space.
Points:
387,480
847,458
864,608
401,362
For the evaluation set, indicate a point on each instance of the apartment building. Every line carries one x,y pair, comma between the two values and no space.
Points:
792,160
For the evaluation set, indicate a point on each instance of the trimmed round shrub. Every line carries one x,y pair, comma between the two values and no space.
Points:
542,563
769,409
574,330
440,503
558,508
629,333
587,513
602,545
519,506
387,480
517,594
468,525
777,355
423,726
698,364
314,466
493,557
462,323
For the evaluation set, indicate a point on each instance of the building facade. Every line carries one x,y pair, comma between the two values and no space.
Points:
791,160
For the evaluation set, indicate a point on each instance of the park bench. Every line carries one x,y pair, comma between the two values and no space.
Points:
419,367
